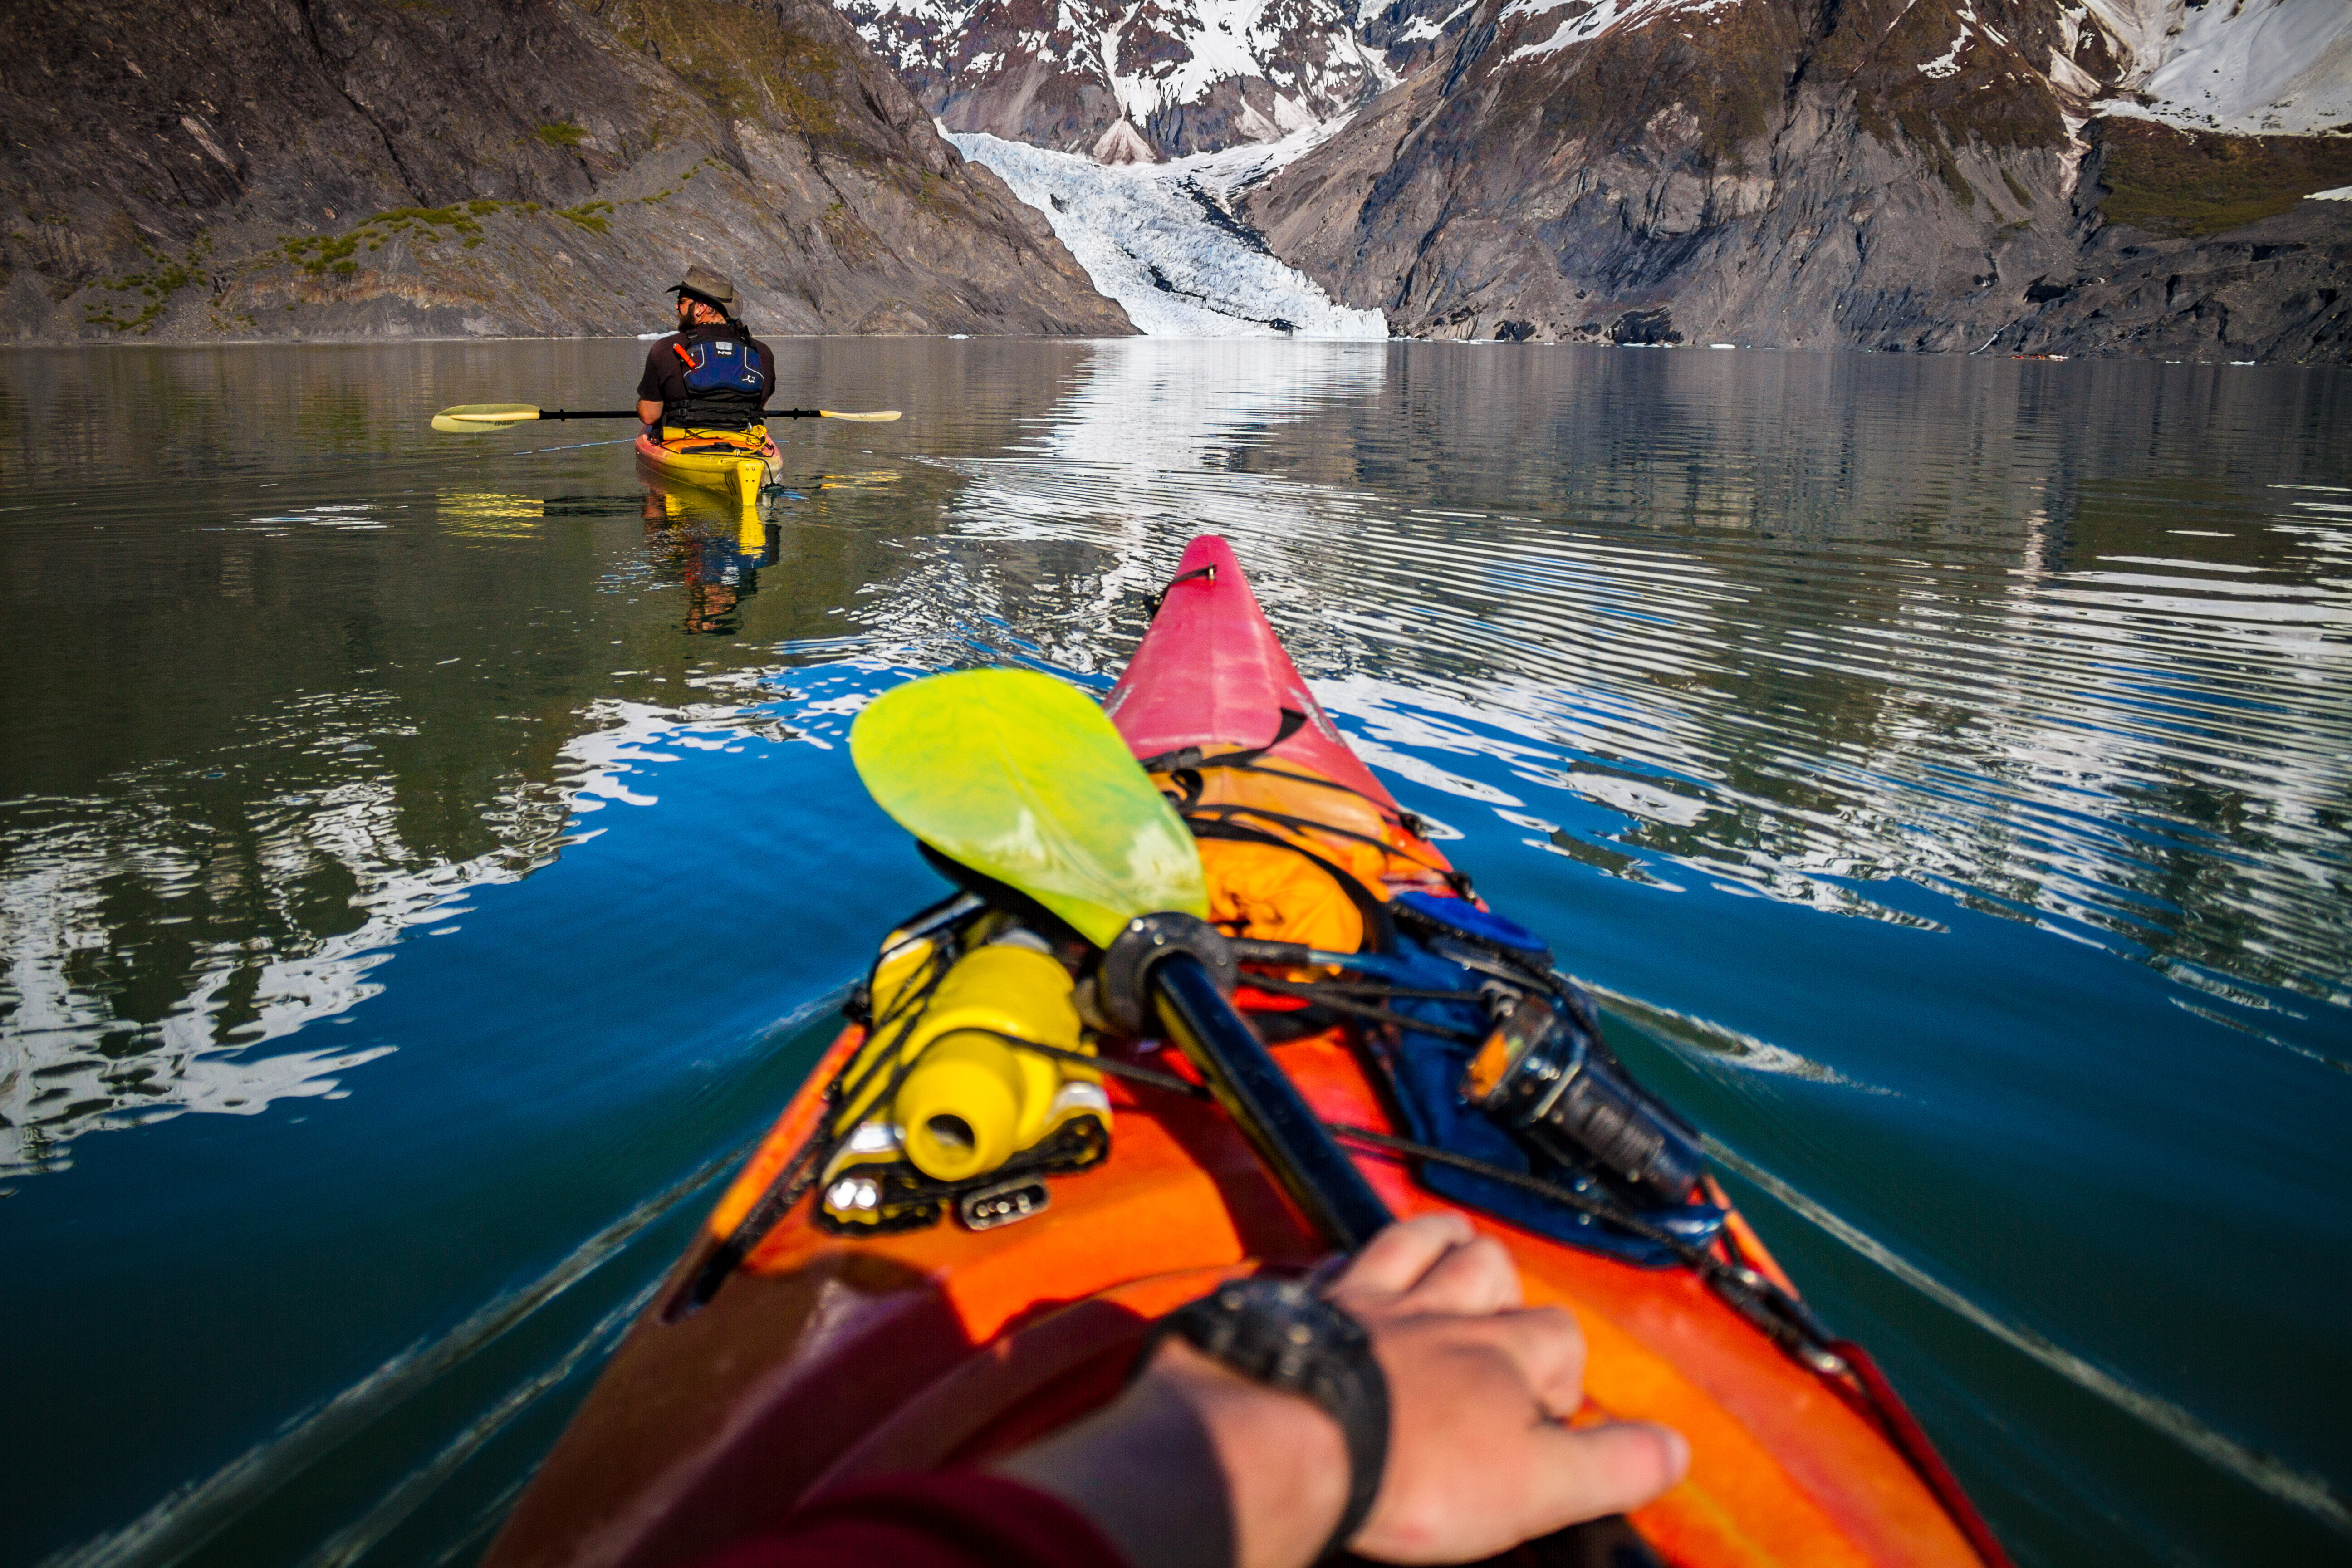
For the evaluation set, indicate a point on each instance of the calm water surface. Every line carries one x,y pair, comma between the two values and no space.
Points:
425,862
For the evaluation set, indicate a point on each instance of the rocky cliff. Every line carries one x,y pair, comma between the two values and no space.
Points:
1897,174
301,168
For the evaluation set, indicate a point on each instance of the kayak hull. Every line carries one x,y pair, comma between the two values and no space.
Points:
824,1358
736,472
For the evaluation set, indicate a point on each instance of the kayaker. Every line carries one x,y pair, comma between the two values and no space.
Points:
1197,1465
711,376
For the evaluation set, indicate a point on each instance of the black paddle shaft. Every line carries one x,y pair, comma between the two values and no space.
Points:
1259,1096
632,414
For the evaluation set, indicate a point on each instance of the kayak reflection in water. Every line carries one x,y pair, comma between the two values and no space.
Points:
1429,1432
718,563
711,380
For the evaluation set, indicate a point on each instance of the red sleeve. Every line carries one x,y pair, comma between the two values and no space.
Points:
953,1519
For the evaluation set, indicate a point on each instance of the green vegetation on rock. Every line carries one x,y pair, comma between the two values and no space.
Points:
321,254
156,287
590,216
2172,182
741,63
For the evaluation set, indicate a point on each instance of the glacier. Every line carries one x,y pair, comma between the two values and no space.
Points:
1159,238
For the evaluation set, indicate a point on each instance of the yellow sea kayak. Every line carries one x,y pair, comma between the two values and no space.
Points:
738,464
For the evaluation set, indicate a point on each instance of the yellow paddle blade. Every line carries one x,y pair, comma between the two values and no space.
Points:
468,418
1022,778
872,417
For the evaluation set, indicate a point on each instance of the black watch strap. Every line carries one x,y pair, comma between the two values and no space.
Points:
1281,1334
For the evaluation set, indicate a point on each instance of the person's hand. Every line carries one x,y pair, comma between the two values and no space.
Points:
1478,1383
1477,1459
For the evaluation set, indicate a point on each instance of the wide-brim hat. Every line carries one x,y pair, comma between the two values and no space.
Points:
714,288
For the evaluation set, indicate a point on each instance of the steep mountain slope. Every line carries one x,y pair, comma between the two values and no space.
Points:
1126,82
1903,174
355,167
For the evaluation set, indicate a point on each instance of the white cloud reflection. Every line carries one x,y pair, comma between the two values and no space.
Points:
75,1059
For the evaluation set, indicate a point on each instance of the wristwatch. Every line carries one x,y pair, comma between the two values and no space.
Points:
1281,1334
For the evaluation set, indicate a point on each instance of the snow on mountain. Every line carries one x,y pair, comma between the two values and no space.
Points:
1587,21
1183,76
1902,175
2248,68
1641,171
1158,239
1177,76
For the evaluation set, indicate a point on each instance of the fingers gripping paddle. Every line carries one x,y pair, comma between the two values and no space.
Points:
471,418
1022,778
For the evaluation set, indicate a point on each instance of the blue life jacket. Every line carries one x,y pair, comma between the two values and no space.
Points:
726,382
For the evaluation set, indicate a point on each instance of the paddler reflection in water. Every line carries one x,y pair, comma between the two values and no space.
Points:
718,563
1197,1465
711,380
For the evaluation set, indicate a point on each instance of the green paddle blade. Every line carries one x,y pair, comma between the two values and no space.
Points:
1022,778
468,417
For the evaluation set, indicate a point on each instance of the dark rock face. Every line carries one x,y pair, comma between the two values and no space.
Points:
1788,172
1124,81
301,168
2189,277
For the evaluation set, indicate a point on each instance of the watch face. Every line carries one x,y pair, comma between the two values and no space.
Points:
1275,1331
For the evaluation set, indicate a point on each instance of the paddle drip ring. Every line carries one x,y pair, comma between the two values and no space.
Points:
1122,982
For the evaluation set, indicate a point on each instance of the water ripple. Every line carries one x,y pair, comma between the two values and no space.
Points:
2149,748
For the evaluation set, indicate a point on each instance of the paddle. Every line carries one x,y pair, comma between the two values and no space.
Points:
468,418
1021,778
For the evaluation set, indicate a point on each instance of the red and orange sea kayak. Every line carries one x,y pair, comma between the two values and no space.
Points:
834,1349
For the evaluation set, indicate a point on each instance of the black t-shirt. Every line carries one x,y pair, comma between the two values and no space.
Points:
665,376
